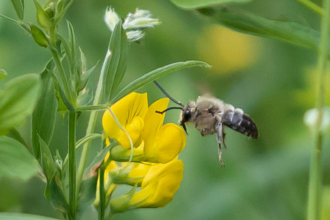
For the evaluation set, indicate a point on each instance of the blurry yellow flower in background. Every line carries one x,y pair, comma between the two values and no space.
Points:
153,141
228,51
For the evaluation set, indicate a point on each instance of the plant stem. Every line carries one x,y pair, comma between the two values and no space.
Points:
315,174
312,6
72,163
102,193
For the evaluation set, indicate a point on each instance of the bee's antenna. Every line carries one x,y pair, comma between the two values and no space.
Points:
165,93
162,112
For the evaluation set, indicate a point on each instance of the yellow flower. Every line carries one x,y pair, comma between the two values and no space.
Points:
132,174
157,189
159,185
130,112
153,141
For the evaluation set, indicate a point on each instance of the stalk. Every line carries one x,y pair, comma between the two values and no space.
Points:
102,193
312,6
72,164
315,173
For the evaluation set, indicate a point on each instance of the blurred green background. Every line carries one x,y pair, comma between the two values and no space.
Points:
273,82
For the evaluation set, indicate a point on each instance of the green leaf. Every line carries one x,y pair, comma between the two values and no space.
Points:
14,133
18,100
84,78
21,216
116,66
57,197
43,118
39,36
3,74
15,160
62,96
155,74
249,23
47,164
42,16
87,193
19,8
87,138
193,4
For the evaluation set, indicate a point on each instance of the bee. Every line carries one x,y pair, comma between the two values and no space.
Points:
210,115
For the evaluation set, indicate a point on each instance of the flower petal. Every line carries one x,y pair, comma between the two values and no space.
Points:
129,111
152,122
159,185
170,141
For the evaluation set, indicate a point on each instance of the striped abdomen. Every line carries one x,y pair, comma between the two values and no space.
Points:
238,121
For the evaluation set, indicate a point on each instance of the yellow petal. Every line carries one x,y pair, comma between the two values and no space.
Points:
129,111
152,123
170,141
160,184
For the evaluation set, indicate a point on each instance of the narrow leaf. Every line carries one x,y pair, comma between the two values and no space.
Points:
43,118
84,78
249,23
19,8
15,160
87,138
18,100
21,216
3,74
193,4
155,74
62,96
47,164
116,66
42,18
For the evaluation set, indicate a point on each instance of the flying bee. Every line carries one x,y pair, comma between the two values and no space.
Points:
210,115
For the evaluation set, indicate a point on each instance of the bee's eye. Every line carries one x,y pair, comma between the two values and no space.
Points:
187,114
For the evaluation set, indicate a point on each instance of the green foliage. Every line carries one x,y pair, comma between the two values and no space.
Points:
115,65
17,100
47,164
248,23
154,75
19,8
87,193
57,197
44,116
39,36
16,161
193,4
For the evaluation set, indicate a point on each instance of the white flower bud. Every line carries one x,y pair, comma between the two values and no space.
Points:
111,18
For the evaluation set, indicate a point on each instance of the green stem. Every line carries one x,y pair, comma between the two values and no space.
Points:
315,174
312,6
102,192
91,123
72,163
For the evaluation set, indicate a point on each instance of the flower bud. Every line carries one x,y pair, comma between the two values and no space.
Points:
111,18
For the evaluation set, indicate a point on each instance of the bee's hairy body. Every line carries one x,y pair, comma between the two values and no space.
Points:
209,115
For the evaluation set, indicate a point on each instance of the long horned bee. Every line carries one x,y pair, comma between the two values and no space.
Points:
210,115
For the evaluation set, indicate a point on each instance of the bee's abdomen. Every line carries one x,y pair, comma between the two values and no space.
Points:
238,121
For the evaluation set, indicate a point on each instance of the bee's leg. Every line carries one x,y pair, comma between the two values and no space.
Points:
223,137
219,130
